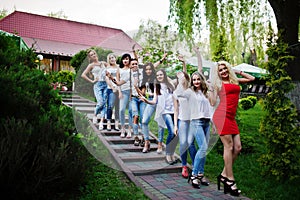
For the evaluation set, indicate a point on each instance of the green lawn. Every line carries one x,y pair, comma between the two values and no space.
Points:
106,183
247,169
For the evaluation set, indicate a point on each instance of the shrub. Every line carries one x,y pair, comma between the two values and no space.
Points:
280,126
64,76
40,156
246,103
253,99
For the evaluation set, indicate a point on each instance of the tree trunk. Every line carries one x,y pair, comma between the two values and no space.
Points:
287,16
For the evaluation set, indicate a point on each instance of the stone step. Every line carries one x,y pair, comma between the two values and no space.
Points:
153,167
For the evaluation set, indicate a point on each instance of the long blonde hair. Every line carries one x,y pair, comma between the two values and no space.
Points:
217,80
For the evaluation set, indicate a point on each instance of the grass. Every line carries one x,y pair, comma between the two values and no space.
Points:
247,169
106,183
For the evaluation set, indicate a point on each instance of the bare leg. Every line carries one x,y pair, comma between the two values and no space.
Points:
227,141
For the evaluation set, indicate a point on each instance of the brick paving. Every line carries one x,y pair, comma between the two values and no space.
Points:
148,171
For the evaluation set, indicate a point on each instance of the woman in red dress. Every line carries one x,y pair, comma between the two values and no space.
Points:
226,87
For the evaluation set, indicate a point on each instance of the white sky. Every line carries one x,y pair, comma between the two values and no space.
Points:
121,14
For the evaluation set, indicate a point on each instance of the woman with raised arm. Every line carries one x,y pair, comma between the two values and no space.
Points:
98,69
226,86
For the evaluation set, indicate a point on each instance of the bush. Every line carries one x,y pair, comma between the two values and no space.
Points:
246,103
253,99
64,76
280,126
40,156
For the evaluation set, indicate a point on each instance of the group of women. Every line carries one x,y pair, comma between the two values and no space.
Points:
185,106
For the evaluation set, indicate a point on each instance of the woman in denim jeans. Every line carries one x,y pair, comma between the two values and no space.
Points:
98,70
182,119
112,92
199,126
164,115
123,80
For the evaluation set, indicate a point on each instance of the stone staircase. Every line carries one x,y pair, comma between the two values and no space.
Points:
131,156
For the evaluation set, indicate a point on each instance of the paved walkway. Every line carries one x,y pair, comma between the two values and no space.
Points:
148,171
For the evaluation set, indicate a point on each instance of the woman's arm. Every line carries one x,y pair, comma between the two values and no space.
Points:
160,61
246,77
152,102
176,113
86,71
181,59
199,59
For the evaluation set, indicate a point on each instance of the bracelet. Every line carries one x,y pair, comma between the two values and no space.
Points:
160,61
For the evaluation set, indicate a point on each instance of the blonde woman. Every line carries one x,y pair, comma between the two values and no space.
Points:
112,92
98,69
225,86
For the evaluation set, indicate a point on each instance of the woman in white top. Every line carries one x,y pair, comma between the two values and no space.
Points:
112,92
123,80
98,70
164,114
200,116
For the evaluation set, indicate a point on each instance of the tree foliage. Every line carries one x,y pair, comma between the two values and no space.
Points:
240,22
279,126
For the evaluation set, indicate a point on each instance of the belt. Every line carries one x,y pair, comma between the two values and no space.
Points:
135,96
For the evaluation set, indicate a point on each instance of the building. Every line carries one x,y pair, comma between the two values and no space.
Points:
57,40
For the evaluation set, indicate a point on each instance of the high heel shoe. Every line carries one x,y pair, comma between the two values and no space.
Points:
221,179
230,186
203,180
194,180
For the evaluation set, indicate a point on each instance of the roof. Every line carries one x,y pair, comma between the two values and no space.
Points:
61,36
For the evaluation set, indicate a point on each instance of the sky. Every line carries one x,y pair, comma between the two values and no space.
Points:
121,14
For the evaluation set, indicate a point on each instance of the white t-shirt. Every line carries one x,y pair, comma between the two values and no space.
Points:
168,99
183,96
135,80
113,72
199,106
125,75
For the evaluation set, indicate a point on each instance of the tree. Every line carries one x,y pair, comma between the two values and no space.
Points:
3,13
287,18
60,14
246,15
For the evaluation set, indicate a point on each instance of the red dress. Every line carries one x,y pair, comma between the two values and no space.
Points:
224,115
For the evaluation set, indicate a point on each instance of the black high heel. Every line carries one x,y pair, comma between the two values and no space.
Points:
194,180
203,180
221,179
228,188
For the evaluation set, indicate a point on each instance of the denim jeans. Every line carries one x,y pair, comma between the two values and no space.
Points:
137,107
183,132
100,91
111,97
124,102
172,140
200,128
147,114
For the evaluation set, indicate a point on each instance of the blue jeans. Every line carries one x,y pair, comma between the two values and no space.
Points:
172,140
148,112
137,107
110,103
124,102
183,132
100,91
199,128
